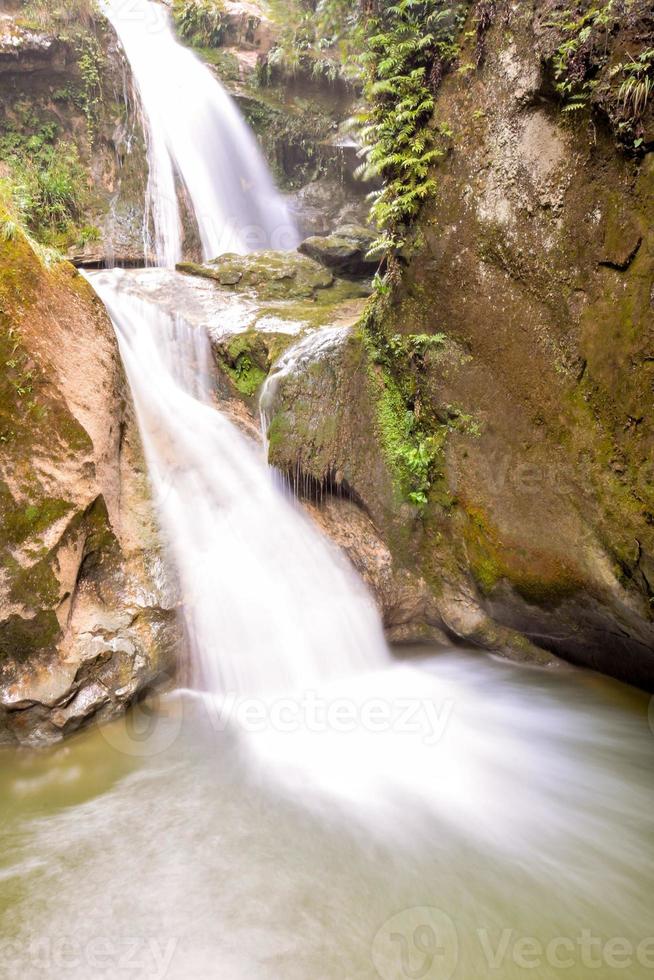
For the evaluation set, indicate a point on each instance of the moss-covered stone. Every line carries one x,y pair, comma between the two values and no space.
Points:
245,359
274,275
346,251
78,607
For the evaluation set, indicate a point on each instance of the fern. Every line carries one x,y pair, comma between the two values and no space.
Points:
575,58
405,42
635,90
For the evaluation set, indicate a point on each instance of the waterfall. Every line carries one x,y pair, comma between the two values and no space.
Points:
197,139
269,604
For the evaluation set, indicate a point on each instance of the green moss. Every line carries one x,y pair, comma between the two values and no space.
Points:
539,577
225,63
409,456
22,522
413,443
245,360
34,586
271,275
287,288
279,432
20,637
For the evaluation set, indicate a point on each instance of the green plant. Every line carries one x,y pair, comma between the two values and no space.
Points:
638,84
582,72
412,442
71,16
90,63
87,234
409,46
200,22
582,52
46,181
312,43
9,229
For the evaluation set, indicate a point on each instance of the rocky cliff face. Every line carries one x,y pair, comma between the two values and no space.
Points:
86,618
494,417
66,90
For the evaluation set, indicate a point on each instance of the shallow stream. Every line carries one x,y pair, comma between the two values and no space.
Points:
503,828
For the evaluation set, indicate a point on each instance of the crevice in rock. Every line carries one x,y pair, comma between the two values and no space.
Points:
314,490
624,265
97,264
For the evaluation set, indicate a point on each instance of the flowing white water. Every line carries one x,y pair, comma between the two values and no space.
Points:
251,566
196,135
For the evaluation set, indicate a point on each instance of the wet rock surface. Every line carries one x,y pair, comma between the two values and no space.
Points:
346,251
537,258
87,616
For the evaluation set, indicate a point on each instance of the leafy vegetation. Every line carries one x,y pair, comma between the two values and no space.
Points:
245,360
45,183
90,64
409,47
584,74
584,46
200,22
315,41
43,150
637,86
68,16
413,440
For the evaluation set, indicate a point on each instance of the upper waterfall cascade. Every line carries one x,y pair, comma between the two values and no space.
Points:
198,143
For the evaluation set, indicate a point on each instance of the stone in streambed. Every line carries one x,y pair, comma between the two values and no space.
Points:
272,275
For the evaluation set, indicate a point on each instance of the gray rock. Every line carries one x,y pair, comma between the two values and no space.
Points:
345,251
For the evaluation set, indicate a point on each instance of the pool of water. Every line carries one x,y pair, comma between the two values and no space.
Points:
449,817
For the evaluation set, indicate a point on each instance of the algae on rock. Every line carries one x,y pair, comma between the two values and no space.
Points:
80,603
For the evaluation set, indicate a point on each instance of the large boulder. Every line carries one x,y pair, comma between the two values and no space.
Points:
86,617
492,418
536,258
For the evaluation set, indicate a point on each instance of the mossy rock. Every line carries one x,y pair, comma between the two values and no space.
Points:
245,359
346,251
272,275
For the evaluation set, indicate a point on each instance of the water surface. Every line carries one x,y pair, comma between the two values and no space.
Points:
202,849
